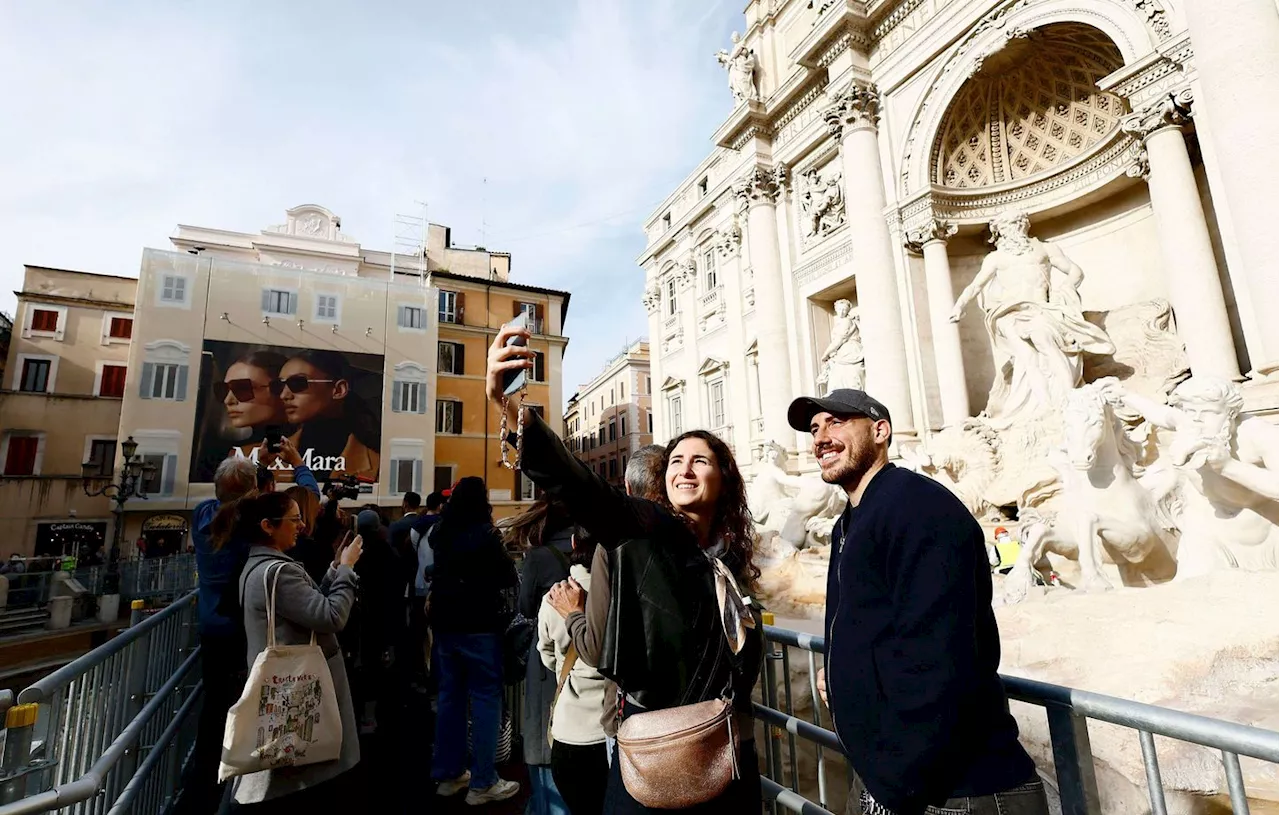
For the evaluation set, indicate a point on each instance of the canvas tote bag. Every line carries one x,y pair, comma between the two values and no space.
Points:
288,713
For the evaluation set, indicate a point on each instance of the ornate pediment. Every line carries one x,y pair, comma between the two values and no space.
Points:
711,365
671,384
310,221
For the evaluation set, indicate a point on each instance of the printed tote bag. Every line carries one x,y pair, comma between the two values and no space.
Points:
288,713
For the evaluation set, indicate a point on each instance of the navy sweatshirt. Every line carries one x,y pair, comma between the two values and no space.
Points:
912,649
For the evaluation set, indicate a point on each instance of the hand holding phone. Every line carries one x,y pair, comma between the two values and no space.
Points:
513,381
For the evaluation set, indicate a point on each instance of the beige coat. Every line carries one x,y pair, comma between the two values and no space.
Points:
576,719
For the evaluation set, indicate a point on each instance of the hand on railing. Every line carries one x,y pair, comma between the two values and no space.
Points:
822,685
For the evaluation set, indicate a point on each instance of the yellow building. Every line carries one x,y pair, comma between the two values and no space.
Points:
64,377
611,417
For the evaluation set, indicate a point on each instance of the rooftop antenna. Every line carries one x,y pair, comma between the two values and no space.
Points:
484,210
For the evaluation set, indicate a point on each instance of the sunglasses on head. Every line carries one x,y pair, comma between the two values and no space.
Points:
298,383
241,389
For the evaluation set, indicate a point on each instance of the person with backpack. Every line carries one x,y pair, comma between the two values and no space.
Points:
425,564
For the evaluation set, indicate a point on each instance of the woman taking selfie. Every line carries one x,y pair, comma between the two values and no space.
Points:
680,632
270,522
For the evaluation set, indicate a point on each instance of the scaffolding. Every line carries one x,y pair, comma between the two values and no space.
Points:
409,241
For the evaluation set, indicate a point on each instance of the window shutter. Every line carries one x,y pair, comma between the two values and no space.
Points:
180,393
537,309
397,390
516,309
459,358
422,398
417,475
459,306
540,367
457,417
170,472
400,313
148,377
395,475
266,299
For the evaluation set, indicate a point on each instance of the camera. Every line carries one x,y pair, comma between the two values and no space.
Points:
347,486
273,435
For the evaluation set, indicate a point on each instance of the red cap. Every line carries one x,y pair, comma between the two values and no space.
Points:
1000,529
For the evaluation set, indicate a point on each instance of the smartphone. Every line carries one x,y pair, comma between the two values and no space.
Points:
513,381
272,434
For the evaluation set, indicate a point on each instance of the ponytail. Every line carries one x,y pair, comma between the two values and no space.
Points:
242,518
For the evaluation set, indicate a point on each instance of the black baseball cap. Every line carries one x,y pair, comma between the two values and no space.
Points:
840,402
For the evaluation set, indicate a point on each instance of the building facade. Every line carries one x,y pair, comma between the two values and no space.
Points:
611,417
64,380
848,204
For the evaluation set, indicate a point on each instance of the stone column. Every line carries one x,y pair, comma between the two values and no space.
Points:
759,191
931,241
1236,45
1190,269
853,117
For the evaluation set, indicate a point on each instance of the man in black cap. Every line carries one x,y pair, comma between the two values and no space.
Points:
912,685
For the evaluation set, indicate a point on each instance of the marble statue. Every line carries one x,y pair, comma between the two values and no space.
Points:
965,458
821,202
740,62
795,509
843,364
1220,474
1028,291
1103,512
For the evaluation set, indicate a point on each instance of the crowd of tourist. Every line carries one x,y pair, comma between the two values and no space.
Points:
631,622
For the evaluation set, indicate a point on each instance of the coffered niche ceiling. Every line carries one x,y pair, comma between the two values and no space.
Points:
1031,106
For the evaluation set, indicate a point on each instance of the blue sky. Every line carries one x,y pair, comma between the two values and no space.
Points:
123,119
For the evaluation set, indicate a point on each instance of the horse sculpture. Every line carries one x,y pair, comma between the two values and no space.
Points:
1102,511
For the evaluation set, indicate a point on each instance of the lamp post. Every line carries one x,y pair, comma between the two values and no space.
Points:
134,474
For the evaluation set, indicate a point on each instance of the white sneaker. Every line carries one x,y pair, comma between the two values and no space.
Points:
454,786
500,791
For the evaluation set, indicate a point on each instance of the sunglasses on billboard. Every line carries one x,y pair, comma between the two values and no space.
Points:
241,389
298,383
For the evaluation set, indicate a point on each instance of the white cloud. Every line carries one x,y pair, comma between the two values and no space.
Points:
126,120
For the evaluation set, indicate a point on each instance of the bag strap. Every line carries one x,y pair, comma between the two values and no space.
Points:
570,659
270,591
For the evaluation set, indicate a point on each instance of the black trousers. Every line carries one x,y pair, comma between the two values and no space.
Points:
581,773
223,672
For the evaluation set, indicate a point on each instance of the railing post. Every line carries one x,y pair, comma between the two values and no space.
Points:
135,683
19,723
1073,761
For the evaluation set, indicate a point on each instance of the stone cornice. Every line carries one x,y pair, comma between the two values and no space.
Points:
1165,69
86,302
749,119
1173,110
834,31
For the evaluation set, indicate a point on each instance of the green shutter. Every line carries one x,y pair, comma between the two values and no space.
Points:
148,377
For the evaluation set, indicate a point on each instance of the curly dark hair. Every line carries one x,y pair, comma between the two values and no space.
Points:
732,523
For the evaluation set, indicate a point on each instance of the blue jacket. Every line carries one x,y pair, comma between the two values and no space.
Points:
912,649
216,569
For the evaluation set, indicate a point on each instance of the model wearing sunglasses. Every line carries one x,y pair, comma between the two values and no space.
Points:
298,383
245,391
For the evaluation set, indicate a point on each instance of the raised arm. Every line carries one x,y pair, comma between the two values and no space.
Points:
1161,415
602,509
985,274
323,611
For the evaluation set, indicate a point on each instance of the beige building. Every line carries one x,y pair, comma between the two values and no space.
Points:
611,417
845,207
64,379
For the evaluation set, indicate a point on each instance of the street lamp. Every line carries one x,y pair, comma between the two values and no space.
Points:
134,475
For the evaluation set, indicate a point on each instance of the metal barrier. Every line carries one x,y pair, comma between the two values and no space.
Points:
105,732
1068,712
140,579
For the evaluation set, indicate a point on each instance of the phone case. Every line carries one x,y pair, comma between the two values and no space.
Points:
513,381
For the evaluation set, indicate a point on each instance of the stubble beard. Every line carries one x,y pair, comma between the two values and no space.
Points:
848,474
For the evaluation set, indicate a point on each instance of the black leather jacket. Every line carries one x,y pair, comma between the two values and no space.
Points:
664,644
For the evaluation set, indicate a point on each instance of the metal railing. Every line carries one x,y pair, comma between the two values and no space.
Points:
107,732
140,579
1068,712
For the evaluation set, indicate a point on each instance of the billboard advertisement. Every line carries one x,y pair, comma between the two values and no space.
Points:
328,403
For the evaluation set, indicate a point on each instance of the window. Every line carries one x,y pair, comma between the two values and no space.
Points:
111,381
154,484
451,358
677,415
280,301
164,371
44,320
22,453
650,422
624,464
611,396
451,307
526,489
613,430
35,375
121,328
666,222
539,366
702,187
442,478
709,269
613,468
173,290
448,416
624,425
409,388
601,435
648,385
160,448
622,391
406,475
102,454
412,318
672,304
717,403
327,308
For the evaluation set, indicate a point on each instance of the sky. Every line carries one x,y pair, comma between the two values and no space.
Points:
549,130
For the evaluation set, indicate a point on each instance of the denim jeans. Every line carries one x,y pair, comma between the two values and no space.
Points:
544,796
1025,799
470,670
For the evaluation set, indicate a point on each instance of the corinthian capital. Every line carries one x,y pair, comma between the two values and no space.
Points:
1173,110
854,108
758,186
935,229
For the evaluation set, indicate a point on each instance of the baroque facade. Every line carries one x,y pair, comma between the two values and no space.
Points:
868,148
